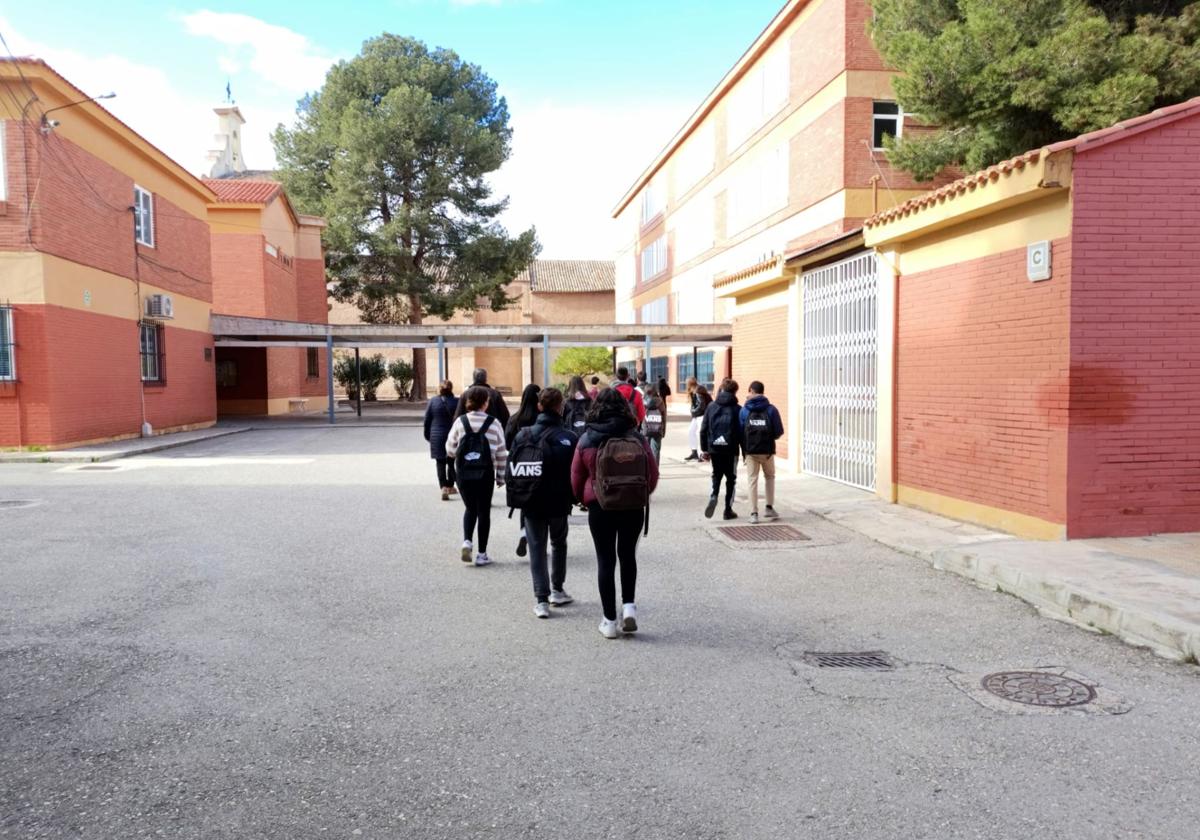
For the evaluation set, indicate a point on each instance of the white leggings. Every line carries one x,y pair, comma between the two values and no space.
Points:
694,433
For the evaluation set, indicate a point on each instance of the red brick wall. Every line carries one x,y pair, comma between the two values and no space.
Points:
813,68
312,297
80,379
982,377
1135,336
860,50
760,351
237,260
816,159
280,282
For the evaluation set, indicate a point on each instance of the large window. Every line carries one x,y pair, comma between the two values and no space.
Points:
8,353
143,217
659,368
704,372
654,259
655,312
653,202
314,364
758,96
152,352
759,189
887,121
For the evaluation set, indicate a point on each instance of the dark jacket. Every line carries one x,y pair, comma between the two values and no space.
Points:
759,402
664,390
577,409
555,488
699,404
724,403
439,415
583,468
513,428
496,407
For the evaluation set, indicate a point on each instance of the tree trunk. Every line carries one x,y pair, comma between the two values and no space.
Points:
419,384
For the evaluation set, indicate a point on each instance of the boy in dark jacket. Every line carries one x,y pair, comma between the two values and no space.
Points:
721,439
548,512
496,407
761,428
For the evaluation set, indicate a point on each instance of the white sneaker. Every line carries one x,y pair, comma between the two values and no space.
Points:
754,517
629,618
609,629
541,609
467,549
481,559
559,598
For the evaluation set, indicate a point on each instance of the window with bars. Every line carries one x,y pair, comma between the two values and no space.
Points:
704,371
151,346
314,364
887,121
8,351
143,216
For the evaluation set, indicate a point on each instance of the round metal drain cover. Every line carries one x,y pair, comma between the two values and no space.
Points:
1038,688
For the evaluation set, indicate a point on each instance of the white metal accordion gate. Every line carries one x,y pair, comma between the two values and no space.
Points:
840,340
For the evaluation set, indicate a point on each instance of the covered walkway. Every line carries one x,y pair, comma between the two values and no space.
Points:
232,331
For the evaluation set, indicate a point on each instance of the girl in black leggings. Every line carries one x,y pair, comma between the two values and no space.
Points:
480,466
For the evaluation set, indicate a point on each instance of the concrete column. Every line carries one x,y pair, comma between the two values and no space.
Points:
795,377
329,373
885,372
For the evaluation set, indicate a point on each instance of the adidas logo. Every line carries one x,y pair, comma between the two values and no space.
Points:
721,441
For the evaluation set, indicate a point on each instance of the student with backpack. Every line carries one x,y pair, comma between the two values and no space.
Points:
614,473
476,443
439,416
698,400
761,428
721,438
576,406
595,388
628,389
654,427
539,485
526,415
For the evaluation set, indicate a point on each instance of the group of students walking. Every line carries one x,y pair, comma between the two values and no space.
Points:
558,451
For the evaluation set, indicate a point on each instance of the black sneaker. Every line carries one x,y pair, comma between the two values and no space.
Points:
695,456
711,508
522,547
729,514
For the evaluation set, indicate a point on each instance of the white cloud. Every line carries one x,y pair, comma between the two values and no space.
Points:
279,55
572,163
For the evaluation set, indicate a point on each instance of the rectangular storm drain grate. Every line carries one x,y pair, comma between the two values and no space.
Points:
874,660
762,533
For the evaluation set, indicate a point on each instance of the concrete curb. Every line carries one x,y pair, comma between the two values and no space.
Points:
85,456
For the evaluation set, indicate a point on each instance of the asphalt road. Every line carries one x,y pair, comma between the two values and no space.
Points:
271,636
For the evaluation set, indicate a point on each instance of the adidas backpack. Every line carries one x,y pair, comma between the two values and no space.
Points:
760,437
720,430
622,474
474,459
527,463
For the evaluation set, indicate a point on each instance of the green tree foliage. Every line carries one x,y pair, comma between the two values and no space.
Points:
582,361
401,372
395,151
372,370
1000,77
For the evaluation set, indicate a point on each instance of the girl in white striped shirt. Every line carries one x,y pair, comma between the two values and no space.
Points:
480,467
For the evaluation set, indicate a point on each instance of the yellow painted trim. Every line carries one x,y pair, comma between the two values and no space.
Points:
47,280
242,408
1020,524
236,218
1005,229
77,444
776,297
860,203
870,84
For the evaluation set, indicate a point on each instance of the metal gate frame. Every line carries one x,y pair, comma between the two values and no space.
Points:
841,329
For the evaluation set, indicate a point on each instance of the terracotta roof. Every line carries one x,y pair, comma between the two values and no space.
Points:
1005,168
565,276
765,264
243,192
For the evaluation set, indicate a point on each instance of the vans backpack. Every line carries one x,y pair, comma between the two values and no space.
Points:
760,437
654,423
575,417
622,474
720,429
527,463
474,459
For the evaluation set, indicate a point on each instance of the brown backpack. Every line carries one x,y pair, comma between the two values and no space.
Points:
622,474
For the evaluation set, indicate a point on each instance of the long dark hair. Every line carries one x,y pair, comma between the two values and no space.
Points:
702,392
528,412
610,403
576,386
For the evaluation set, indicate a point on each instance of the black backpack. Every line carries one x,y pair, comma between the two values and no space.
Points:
575,417
527,464
655,420
474,459
760,437
720,428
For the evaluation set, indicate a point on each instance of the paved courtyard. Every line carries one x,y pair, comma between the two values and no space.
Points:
271,635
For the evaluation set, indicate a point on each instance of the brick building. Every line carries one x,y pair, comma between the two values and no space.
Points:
784,152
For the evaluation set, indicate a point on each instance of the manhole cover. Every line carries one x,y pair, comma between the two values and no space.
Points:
13,504
1038,688
872,660
762,533
99,468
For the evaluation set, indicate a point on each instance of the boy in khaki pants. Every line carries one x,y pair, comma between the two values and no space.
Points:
761,427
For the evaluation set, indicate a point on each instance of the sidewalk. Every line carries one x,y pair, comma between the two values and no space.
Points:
121,448
1144,590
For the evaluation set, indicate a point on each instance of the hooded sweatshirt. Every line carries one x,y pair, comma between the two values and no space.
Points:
555,498
759,402
583,469
726,403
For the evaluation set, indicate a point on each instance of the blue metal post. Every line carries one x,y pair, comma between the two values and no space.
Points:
441,350
545,361
329,372
646,364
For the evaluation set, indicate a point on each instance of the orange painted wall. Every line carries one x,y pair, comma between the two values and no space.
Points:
982,381
757,355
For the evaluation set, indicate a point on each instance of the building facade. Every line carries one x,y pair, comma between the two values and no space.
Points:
784,152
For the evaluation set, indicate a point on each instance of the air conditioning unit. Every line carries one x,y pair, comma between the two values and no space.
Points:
160,306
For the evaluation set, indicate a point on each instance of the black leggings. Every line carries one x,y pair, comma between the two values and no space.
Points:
445,471
724,466
477,499
615,534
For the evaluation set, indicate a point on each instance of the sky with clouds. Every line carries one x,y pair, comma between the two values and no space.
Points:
595,87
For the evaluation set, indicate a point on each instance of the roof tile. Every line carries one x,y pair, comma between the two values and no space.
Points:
567,276
243,192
